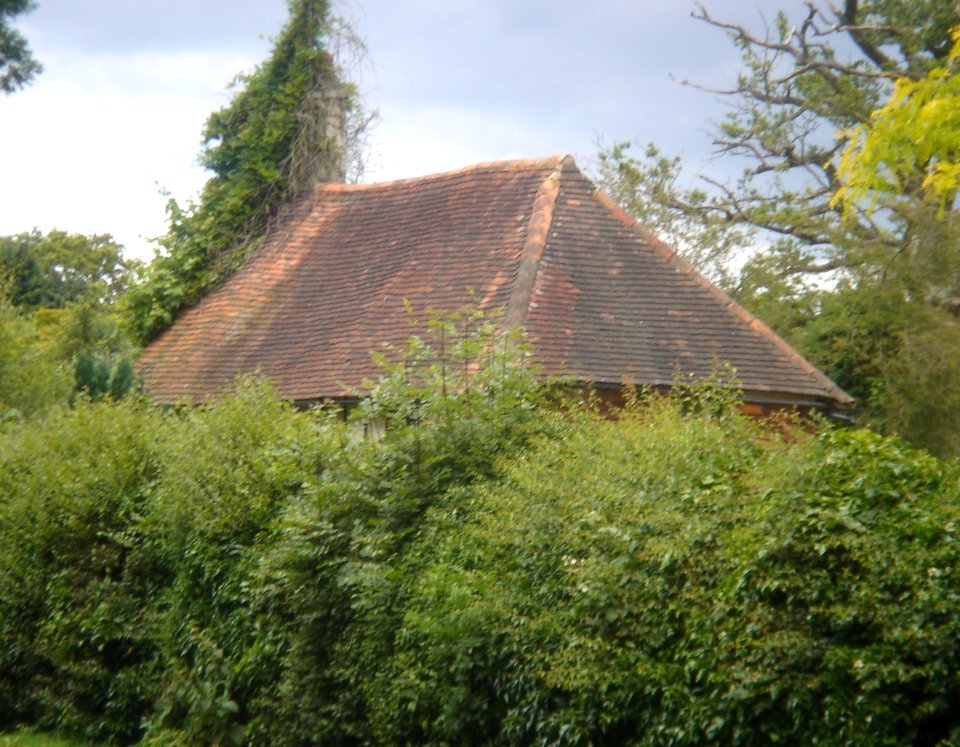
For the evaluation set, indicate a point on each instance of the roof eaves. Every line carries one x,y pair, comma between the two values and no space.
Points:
841,397
538,228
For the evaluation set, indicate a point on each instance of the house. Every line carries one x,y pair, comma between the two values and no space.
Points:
599,298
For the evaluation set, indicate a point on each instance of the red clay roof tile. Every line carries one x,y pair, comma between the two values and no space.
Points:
601,300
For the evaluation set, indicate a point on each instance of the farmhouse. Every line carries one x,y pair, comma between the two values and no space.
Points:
600,299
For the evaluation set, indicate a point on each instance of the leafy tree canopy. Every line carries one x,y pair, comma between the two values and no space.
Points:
32,375
55,269
913,138
801,91
17,66
59,325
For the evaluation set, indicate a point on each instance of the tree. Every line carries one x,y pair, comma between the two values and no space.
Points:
913,138
910,150
288,125
789,119
58,297
55,269
17,66
32,375
855,285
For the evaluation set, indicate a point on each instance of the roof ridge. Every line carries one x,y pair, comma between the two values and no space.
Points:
739,311
510,164
538,227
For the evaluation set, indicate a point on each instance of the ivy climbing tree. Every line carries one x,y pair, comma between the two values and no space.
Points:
284,129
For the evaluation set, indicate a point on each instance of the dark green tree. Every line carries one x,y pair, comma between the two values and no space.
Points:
17,66
863,287
285,128
92,376
122,379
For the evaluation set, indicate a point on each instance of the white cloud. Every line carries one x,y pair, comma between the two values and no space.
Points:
88,147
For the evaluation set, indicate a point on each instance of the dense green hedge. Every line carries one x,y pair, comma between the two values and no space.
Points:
494,571
670,579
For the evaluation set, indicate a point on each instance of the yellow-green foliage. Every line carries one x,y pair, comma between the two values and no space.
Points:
911,142
75,579
33,377
864,284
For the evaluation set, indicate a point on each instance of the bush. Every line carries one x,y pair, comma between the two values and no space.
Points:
672,578
334,581
225,472
496,568
76,574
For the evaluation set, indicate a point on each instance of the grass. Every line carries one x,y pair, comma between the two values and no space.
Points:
31,739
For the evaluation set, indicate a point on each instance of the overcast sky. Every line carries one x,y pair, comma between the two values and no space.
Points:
127,84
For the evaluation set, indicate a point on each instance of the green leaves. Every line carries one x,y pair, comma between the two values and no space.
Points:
910,143
841,232
17,66
56,269
58,321
668,578
492,568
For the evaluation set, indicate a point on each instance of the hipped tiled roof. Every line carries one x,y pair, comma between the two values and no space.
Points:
600,299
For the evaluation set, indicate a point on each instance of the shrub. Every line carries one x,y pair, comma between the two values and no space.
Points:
224,474
333,582
497,568
672,578
76,577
